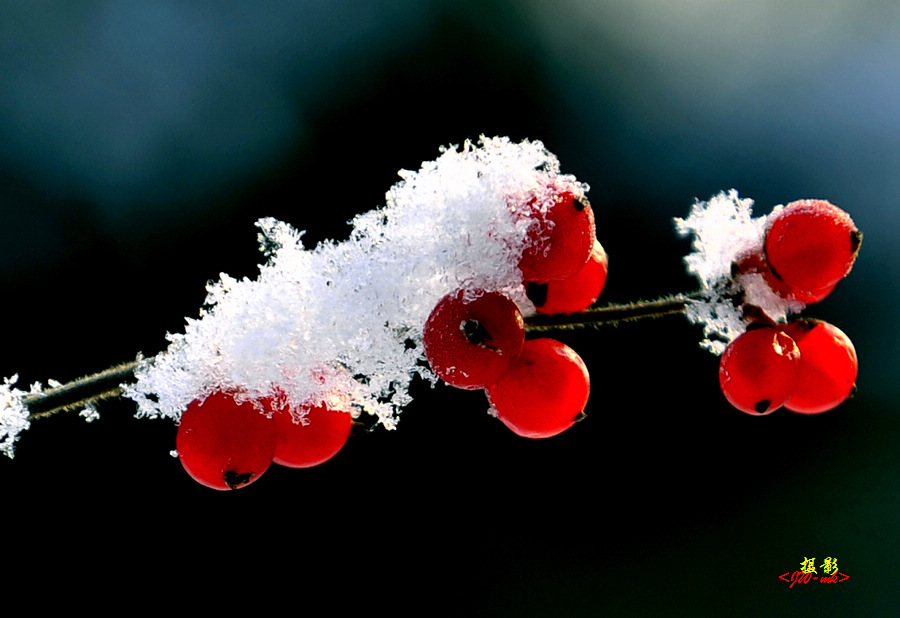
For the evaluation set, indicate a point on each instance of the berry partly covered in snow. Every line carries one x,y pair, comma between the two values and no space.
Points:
811,244
309,438
224,442
560,238
472,337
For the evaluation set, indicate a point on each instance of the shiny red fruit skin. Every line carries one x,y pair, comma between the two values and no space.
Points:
811,244
560,240
223,444
470,343
756,263
828,366
576,293
758,371
544,392
311,442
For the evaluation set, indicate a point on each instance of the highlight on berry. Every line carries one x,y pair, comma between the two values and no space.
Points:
458,280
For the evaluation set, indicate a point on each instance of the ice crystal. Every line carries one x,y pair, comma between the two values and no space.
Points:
90,413
342,322
723,231
13,415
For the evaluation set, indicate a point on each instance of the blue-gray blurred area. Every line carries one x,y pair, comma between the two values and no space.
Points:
139,141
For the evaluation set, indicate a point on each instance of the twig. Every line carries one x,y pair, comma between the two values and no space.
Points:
80,393
612,314
107,384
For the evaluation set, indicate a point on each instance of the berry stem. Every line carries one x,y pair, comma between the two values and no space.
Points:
612,314
78,394
107,384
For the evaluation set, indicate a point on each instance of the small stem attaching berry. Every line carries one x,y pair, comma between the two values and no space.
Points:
612,314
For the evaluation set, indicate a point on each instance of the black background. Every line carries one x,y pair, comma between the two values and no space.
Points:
664,501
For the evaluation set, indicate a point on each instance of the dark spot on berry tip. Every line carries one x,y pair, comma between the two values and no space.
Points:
580,204
475,332
762,406
855,240
237,479
853,390
537,293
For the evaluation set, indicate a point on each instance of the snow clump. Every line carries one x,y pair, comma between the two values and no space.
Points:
13,415
341,323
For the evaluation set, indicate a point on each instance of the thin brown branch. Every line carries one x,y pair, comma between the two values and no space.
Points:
613,314
83,392
80,393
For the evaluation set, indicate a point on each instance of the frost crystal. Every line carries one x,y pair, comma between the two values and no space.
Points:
90,413
723,231
13,415
342,323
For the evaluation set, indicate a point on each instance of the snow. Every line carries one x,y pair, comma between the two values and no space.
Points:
90,413
723,230
13,415
342,322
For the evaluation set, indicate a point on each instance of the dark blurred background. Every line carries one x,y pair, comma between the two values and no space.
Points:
139,142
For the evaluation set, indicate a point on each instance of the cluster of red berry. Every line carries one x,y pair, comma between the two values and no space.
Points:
227,442
475,338
806,366
537,251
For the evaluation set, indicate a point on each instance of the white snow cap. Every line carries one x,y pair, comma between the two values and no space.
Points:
342,323
723,231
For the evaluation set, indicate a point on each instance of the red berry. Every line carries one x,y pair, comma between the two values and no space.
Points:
472,337
808,297
811,244
544,392
828,366
576,293
315,440
756,263
224,444
560,240
758,371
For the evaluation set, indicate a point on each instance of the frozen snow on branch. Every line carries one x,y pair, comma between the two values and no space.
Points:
342,322
723,231
13,415
723,228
